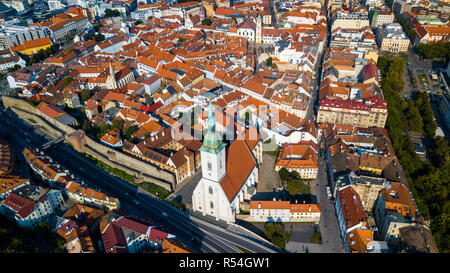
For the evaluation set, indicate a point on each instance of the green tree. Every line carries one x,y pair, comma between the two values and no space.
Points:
86,126
103,129
269,61
117,124
67,81
84,95
284,174
206,22
296,186
111,13
128,131
415,122
276,235
439,152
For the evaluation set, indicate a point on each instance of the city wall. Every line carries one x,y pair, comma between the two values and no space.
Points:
142,171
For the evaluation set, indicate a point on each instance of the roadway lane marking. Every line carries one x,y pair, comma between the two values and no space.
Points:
237,236
233,245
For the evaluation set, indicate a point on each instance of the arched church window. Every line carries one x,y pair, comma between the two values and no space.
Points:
210,190
211,204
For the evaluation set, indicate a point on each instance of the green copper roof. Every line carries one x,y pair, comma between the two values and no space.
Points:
212,142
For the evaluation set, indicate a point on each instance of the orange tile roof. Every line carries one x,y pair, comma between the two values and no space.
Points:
305,208
171,246
240,164
397,197
32,44
359,238
256,204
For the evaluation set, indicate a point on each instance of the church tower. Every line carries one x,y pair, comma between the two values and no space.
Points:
258,34
111,82
213,151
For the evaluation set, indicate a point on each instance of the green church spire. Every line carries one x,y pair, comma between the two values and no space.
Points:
212,143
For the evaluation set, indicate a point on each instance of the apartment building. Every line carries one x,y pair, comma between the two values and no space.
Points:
14,35
392,38
31,47
305,213
367,187
6,158
85,195
431,34
301,158
63,25
270,211
283,211
31,205
371,113
353,38
10,184
394,209
380,16
351,217
354,20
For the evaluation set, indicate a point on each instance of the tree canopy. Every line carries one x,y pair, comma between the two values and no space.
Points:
111,13
429,182
439,49
276,234
206,22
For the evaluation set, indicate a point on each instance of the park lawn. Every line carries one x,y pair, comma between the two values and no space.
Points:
154,189
273,153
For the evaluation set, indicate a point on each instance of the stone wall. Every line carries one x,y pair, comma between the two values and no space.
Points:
140,169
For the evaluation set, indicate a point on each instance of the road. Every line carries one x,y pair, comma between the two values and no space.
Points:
328,219
198,234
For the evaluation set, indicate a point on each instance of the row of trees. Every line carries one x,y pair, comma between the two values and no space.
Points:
428,181
407,28
439,49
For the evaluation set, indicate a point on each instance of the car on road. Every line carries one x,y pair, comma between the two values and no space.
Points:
136,202
164,214
329,192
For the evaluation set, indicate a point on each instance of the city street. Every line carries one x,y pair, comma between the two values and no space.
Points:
329,228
